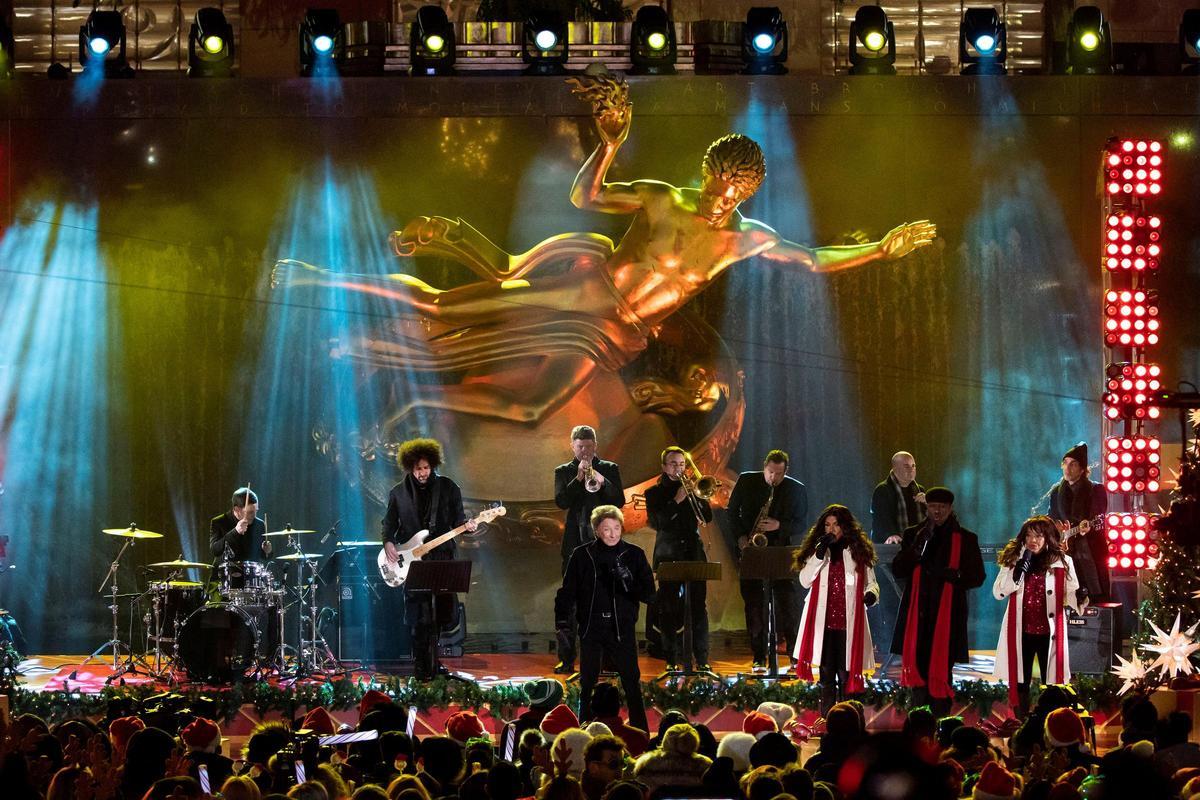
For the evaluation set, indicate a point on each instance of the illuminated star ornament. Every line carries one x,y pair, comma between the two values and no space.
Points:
1132,671
1174,649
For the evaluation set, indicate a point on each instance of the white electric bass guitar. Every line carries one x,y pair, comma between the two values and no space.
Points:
416,548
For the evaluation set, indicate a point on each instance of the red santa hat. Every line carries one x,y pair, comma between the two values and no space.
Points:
1064,728
119,730
372,698
201,733
319,720
995,783
758,724
559,719
782,713
464,725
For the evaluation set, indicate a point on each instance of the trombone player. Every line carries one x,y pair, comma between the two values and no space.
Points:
580,485
677,506
769,508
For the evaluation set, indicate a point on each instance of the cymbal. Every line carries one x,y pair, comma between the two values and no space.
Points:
132,532
288,532
178,564
175,584
298,557
365,543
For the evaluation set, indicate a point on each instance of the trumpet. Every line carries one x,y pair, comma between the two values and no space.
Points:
700,487
589,479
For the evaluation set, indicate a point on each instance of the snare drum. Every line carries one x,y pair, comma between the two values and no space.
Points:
247,583
218,643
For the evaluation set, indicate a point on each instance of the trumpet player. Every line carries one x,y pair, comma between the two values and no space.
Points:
677,506
769,508
580,485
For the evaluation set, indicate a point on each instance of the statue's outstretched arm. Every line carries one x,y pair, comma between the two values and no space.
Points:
899,242
613,113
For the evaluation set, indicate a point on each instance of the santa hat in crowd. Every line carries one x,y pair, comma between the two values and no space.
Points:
464,725
1064,728
782,713
736,746
120,729
558,720
758,724
201,734
995,783
319,721
371,699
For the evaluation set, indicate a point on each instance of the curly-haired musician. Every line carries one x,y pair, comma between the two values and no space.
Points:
836,564
1038,579
424,500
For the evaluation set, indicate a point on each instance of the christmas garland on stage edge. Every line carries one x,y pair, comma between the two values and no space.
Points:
1095,693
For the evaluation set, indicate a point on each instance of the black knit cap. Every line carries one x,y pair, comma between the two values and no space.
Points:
939,494
1079,453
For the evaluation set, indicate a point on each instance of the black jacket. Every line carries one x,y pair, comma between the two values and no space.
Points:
885,509
935,573
1086,500
578,502
241,546
677,529
790,507
403,519
631,583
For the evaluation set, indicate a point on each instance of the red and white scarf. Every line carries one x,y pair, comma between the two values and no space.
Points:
939,661
1060,635
804,666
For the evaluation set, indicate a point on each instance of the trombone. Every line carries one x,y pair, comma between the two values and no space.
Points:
701,487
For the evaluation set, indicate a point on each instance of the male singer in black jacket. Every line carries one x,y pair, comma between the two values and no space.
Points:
784,526
424,500
571,495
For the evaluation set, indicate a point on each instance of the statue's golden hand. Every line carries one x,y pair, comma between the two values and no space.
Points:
903,239
609,96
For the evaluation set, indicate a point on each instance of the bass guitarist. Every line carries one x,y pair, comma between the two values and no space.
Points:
424,500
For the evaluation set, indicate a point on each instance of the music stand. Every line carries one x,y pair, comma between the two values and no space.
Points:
685,573
768,564
439,577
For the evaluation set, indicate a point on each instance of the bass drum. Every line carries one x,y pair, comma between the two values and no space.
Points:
217,643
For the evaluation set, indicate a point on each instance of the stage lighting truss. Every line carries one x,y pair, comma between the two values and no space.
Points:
1089,43
982,42
1132,540
431,42
1130,391
544,44
1133,168
764,41
652,43
210,45
1131,318
1132,242
320,41
102,42
1132,464
872,29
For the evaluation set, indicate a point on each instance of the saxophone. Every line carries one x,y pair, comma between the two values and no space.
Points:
757,537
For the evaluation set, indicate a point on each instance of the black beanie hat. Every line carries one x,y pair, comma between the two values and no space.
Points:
1079,453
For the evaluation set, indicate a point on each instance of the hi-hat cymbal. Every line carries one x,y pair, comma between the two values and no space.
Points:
132,532
299,557
288,532
175,585
365,543
178,564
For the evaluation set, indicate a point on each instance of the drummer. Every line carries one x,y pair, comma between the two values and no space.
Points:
238,534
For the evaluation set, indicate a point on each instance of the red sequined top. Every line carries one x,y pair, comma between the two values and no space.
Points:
1035,620
835,604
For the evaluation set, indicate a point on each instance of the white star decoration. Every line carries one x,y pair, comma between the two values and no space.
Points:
1131,671
1174,649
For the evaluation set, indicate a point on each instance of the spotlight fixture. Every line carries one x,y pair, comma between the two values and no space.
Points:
764,41
1133,168
1132,464
544,45
7,55
1189,41
982,42
320,41
652,46
102,44
1131,318
874,31
1130,391
1132,540
1132,242
431,42
210,45
1089,43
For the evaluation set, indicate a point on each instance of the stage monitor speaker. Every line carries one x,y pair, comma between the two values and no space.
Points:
454,634
1093,637
371,622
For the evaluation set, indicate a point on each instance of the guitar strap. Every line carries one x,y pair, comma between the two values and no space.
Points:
434,497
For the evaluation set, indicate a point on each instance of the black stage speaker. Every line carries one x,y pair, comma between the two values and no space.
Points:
454,634
372,627
1093,637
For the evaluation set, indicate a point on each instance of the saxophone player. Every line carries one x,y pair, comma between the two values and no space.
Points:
769,508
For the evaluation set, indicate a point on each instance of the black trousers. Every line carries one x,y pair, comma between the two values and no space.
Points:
425,632
833,671
566,638
602,641
671,613
1032,645
786,597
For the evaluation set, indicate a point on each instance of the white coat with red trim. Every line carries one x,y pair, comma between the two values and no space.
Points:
1003,589
818,569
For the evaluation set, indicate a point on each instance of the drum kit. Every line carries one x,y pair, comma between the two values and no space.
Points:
224,630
